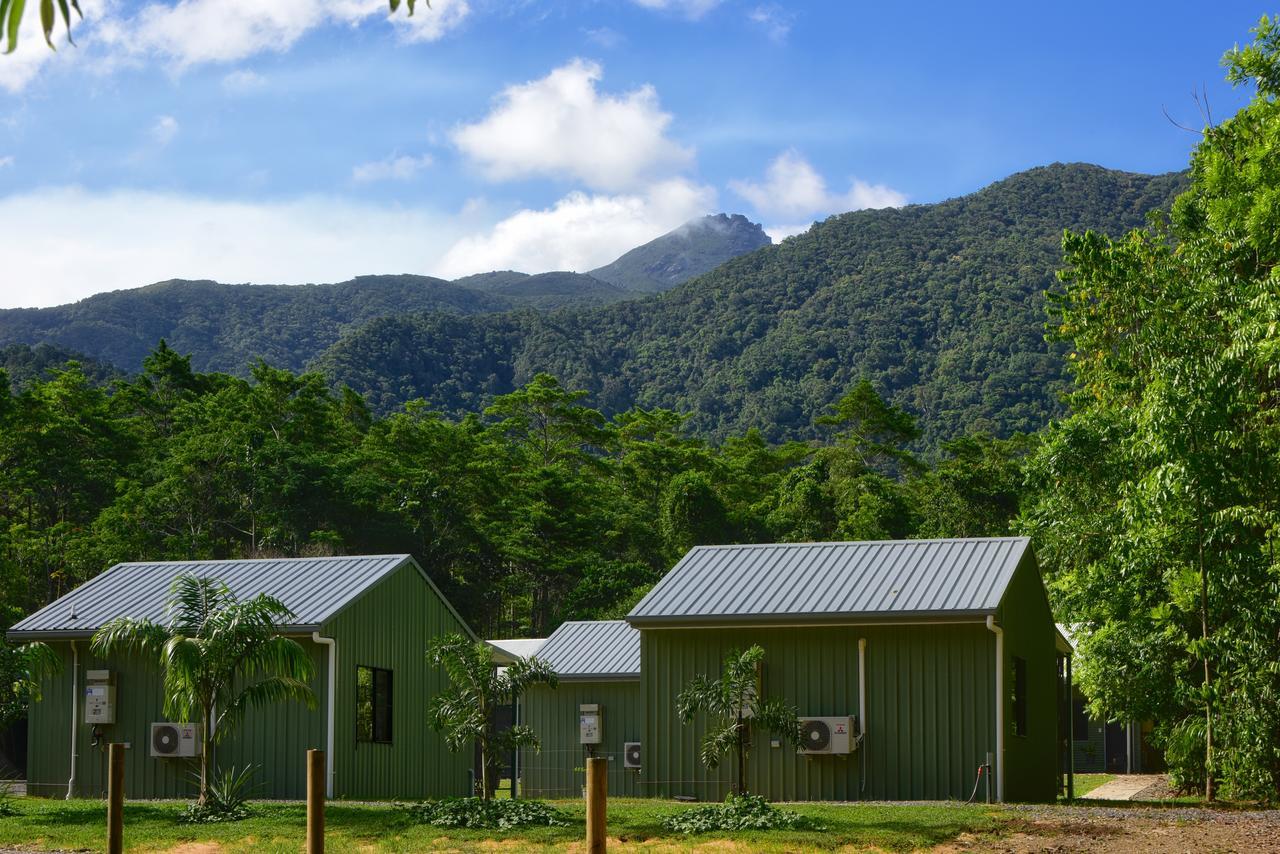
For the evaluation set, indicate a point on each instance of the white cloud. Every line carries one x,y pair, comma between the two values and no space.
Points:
6,160
562,126
128,238
606,37
693,9
792,188
243,80
580,232
164,130
190,32
393,168
773,20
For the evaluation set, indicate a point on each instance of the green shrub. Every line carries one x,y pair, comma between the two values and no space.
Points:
477,812
6,800
228,799
738,812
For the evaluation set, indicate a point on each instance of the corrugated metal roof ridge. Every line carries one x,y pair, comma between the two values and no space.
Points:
870,568
265,573
593,648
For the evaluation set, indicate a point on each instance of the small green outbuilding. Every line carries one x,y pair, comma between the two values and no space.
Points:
598,667
915,662
365,621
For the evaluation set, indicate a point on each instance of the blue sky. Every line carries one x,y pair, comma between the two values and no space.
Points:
297,140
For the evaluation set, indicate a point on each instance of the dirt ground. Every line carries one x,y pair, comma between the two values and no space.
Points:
1133,830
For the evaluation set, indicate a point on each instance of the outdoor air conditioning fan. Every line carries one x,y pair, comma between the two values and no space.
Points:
815,735
631,754
828,734
170,740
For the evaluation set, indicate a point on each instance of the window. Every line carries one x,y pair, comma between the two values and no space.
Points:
1019,696
373,705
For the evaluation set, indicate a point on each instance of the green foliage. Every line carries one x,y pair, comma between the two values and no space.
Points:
738,812
1155,503
7,807
940,306
219,656
464,712
227,798
22,668
734,707
484,813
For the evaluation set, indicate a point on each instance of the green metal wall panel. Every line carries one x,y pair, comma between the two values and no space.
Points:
1030,761
389,627
930,697
274,739
558,770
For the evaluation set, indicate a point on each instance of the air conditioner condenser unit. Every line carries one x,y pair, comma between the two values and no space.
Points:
822,735
631,754
175,740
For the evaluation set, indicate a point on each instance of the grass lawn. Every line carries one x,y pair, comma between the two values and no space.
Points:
1086,783
280,827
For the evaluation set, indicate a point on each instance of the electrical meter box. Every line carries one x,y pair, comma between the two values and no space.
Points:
99,697
590,723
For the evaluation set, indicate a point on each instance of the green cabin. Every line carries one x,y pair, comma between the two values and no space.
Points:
366,621
912,662
598,667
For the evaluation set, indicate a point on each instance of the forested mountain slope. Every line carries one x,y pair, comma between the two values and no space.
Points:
228,327
546,290
940,305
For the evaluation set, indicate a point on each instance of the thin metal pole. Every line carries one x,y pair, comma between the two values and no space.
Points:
597,796
315,801
115,799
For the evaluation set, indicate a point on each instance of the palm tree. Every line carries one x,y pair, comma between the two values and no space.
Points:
219,656
464,712
733,703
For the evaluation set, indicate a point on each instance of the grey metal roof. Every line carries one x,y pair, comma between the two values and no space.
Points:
909,580
596,650
315,589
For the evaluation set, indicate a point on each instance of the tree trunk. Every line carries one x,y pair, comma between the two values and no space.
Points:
1210,781
742,757
205,749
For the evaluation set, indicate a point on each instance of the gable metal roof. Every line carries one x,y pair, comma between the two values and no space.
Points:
593,650
315,589
876,581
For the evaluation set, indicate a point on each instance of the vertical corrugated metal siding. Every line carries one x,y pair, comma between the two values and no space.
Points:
389,627
558,770
274,738
931,720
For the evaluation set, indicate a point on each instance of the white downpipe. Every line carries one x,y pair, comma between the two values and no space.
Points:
75,717
332,681
862,711
999,633
862,689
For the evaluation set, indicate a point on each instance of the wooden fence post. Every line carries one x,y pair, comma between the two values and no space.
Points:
115,799
315,801
597,796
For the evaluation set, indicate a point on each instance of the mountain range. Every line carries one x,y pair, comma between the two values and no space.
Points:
940,305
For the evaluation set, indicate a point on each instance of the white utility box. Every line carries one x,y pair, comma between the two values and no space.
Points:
99,697
590,723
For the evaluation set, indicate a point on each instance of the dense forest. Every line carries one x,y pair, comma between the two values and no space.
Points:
941,305
228,328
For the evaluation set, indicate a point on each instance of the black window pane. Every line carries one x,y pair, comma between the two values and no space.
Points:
373,704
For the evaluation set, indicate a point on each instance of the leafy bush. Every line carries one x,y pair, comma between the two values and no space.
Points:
228,799
738,812
6,800
477,812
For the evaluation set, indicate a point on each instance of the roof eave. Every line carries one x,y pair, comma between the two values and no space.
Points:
26,636
598,677
844,619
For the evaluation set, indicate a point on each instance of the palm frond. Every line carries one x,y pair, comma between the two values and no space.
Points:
124,634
